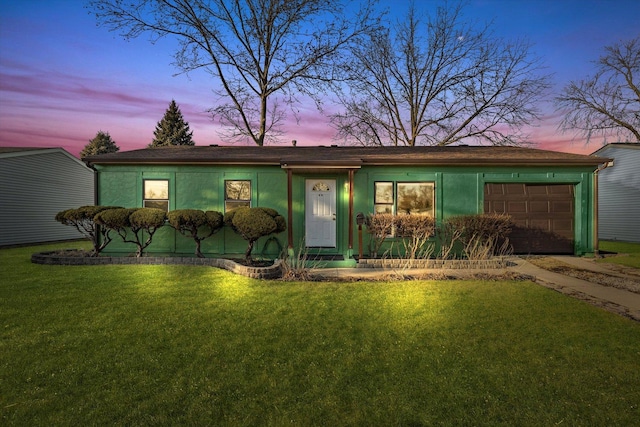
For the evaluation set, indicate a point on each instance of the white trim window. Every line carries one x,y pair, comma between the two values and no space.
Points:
404,198
237,194
156,194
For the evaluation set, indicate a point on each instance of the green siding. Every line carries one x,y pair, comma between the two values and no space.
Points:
464,194
199,190
119,189
458,191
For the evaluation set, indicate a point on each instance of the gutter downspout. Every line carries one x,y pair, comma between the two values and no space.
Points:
351,172
290,211
95,182
596,240
95,195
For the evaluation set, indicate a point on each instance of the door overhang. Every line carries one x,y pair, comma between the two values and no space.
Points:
322,167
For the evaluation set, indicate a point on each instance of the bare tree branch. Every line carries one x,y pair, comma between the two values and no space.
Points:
436,81
255,49
607,104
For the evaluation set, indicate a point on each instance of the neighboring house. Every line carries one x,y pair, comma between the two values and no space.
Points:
36,184
619,193
321,190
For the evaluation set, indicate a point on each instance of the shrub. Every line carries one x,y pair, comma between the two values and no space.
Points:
138,220
448,237
416,230
115,219
422,226
146,220
379,226
254,223
483,235
196,224
82,219
295,266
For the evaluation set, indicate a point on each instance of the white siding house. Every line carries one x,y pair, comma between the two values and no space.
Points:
619,193
36,184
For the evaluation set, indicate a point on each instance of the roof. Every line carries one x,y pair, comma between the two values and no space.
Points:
7,152
4,150
615,145
344,157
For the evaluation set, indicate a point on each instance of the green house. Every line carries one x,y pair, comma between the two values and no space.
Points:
322,190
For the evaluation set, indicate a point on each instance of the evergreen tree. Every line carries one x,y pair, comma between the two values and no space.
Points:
100,144
172,129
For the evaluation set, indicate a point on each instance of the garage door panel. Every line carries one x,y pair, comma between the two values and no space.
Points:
514,189
520,222
495,206
543,215
562,207
541,224
539,207
562,226
537,190
516,207
561,190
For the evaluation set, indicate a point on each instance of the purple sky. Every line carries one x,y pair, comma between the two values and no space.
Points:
63,79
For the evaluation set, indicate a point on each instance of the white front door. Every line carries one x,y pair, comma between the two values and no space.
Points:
320,213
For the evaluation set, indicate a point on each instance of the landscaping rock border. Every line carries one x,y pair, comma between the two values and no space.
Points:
271,272
454,264
59,258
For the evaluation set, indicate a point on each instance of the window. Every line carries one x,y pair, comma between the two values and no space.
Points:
415,198
237,194
383,198
156,194
320,186
409,198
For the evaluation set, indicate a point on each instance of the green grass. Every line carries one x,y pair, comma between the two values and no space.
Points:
178,345
631,251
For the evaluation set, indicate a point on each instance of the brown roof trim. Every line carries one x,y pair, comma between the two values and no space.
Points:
485,162
346,164
346,157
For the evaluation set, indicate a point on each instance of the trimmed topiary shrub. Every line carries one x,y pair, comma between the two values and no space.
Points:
115,219
82,219
254,223
146,220
140,221
196,224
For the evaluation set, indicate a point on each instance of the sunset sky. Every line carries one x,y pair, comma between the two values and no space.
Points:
63,78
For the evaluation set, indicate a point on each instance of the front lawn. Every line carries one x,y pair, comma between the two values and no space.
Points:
629,253
180,345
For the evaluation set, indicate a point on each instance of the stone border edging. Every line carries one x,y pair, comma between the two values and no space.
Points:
454,264
53,258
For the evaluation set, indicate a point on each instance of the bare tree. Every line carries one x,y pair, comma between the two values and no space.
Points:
607,104
436,81
264,53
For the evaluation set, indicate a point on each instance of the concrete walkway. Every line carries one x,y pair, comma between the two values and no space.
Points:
612,299
616,300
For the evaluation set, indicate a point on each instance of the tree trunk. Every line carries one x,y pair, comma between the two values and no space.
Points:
247,254
198,252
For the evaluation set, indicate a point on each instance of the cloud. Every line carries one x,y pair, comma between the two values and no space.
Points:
54,108
72,92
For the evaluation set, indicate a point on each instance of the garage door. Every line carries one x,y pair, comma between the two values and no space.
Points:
543,215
